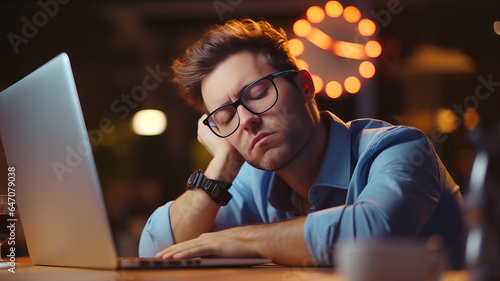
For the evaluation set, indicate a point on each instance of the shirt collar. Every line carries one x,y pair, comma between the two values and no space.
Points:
281,196
336,168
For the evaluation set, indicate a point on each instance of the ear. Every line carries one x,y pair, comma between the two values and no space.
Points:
305,83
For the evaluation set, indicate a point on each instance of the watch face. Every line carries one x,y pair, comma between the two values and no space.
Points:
217,190
192,178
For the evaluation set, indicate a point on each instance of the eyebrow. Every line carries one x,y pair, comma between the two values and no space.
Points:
238,95
244,87
238,92
230,102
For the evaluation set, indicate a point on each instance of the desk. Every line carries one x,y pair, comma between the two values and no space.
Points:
25,271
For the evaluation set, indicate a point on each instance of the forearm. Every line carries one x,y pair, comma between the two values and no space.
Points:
194,212
282,242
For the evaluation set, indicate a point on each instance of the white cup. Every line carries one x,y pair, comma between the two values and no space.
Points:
389,260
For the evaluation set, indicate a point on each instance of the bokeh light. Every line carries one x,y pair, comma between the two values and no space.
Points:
446,120
296,46
334,9
349,50
315,14
325,33
366,27
318,83
496,27
352,14
373,49
471,118
366,69
149,122
302,64
320,39
333,89
352,84
302,28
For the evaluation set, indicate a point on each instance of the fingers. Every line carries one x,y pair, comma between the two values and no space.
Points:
205,136
226,243
189,249
201,126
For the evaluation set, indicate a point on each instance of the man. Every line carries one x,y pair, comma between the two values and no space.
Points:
301,180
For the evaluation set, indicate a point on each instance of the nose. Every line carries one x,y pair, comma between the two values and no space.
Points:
248,120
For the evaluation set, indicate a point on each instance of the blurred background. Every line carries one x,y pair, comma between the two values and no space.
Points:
429,64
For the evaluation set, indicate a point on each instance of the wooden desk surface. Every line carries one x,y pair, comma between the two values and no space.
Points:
25,271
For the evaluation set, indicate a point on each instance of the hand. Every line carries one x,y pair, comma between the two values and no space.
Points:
227,160
194,212
270,240
222,243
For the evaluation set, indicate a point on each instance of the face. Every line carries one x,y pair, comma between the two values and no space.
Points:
267,141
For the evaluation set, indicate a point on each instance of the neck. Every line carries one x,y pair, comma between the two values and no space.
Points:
303,170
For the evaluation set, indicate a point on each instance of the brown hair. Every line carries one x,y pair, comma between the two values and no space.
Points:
221,41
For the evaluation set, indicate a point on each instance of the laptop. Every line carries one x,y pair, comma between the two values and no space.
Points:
58,193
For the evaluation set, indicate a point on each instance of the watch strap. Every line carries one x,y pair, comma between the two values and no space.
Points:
216,190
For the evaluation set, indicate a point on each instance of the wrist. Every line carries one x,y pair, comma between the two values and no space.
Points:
215,189
224,168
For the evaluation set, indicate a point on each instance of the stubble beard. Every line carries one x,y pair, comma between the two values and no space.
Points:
277,158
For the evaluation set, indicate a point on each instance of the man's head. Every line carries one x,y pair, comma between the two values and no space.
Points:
221,41
218,70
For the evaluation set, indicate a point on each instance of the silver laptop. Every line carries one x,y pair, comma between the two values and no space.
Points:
58,193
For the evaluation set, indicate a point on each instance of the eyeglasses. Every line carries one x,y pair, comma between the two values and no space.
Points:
258,97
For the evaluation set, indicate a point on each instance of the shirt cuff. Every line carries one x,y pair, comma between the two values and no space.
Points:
318,232
157,233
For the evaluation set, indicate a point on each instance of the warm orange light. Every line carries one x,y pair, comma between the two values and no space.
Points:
366,27
302,64
320,39
471,118
296,47
366,69
302,28
446,120
352,84
349,50
315,14
373,49
352,14
334,9
318,83
496,27
333,89
307,29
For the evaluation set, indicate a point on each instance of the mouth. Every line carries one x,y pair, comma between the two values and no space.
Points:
259,139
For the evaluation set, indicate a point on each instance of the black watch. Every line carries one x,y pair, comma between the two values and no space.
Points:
217,190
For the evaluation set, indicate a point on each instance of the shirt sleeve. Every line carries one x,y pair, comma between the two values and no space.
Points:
394,190
250,202
249,205
157,234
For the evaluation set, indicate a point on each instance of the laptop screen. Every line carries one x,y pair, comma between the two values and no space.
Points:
58,192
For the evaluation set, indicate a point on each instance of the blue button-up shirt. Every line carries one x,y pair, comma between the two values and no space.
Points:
376,180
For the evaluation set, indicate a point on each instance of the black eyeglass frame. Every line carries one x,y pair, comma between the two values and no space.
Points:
239,102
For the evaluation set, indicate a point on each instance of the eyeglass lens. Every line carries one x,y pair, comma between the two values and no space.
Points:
258,98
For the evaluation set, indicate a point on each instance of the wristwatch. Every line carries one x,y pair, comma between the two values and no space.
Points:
217,190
